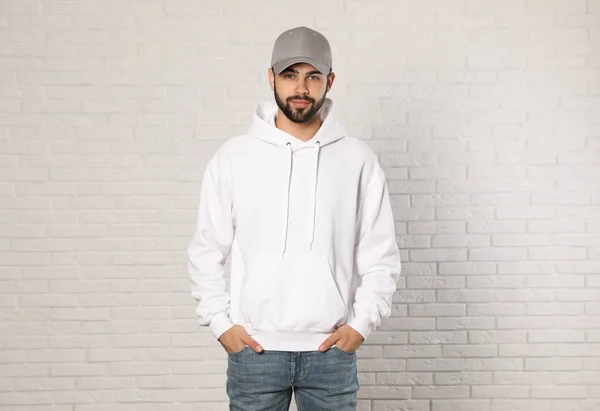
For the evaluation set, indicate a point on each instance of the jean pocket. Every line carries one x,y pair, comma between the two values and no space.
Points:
351,353
239,352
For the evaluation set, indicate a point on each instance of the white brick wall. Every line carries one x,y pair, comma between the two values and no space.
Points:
485,115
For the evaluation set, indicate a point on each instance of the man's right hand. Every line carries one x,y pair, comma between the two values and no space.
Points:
236,339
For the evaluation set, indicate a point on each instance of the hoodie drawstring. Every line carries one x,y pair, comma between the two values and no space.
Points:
314,205
314,199
287,206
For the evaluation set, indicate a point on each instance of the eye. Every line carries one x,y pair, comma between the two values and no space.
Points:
315,78
288,76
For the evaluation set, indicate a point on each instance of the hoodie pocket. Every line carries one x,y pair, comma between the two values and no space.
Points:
297,292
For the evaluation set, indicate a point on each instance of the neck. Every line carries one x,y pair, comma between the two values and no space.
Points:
302,131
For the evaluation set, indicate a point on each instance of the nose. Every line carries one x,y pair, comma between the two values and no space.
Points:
301,87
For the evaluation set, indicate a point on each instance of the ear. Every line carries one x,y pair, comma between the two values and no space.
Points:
330,80
271,78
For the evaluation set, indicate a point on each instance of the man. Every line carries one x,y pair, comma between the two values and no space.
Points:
304,211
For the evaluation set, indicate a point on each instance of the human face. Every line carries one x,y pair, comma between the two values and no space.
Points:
300,91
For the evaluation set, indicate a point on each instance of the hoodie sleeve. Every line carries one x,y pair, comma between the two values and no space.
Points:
377,257
210,247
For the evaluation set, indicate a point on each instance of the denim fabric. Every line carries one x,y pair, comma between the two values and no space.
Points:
320,381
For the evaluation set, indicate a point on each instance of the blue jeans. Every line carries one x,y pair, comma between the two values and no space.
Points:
320,381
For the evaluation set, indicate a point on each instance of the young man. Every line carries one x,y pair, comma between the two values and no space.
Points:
304,211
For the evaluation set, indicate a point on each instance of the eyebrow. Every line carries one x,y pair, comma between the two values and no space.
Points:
310,73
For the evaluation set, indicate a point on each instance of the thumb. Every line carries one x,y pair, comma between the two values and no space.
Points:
251,342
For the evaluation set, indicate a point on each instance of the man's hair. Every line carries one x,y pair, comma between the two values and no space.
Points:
328,74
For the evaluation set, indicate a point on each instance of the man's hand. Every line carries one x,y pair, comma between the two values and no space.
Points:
236,338
345,338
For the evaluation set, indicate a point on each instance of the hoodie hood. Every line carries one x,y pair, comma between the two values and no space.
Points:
263,127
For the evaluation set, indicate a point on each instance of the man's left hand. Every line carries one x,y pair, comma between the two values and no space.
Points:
345,338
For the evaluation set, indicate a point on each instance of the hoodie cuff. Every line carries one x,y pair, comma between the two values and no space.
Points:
219,324
361,325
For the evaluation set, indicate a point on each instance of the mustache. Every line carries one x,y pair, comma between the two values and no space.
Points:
310,100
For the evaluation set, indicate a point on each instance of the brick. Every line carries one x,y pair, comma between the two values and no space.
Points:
463,351
436,227
457,296
461,405
465,240
498,282
496,392
408,405
382,365
530,294
435,282
562,226
437,310
525,322
463,378
493,364
528,350
522,240
437,337
465,323
553,364
404,378
537,336
498,309
441,364
522,378
529,405
543,308
415,351
576,377
448,254
56,355
467,268
441,392
565,322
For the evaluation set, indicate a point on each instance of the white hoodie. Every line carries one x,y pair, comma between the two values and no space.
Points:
310,230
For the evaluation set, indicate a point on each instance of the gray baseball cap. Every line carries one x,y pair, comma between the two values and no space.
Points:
301,45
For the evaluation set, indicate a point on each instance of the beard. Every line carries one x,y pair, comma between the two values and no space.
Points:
302,114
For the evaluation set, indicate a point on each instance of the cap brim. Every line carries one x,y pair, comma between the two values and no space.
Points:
283,64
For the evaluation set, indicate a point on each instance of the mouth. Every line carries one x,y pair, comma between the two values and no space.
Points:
300,103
